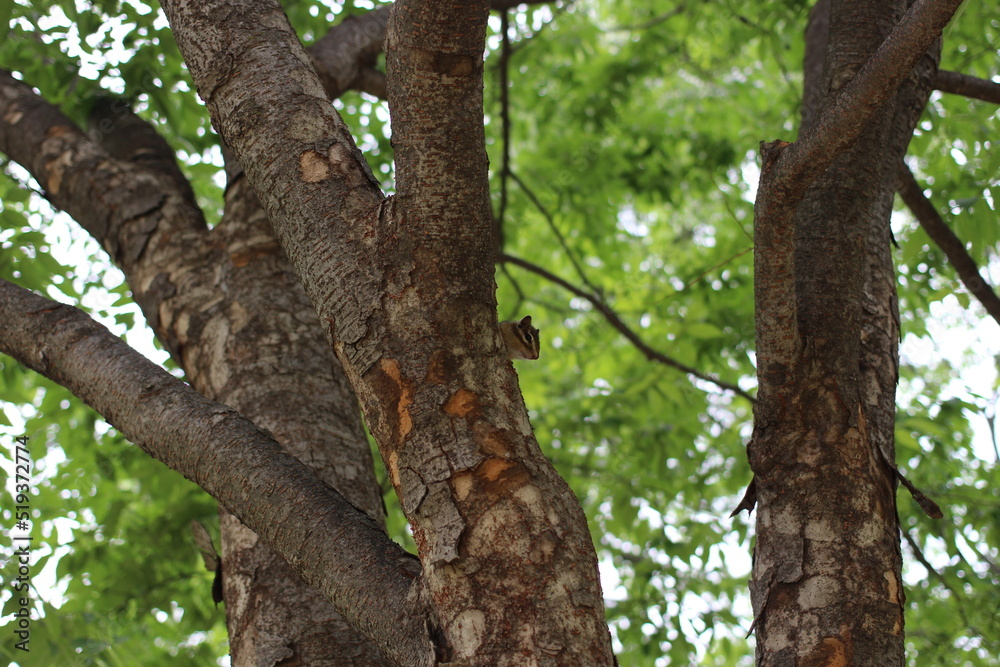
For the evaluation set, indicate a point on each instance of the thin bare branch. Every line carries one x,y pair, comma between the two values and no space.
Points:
931,570
969,86
655,21
503,66
570,255
936,228
615,321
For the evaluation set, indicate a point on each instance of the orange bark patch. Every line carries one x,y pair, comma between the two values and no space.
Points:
313,167
461,403
244,257
492,477
491,469
832,652
54,181
455,65
893,587
394,469
491,441
462,484
404,397
500,476
57,166
240,259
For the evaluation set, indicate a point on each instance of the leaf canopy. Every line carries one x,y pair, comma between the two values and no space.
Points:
630,173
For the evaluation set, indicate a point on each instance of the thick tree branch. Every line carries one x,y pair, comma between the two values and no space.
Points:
612,317
826,339
935,226
331,217
142,212
817,38
125,136
788,171
345,57
503,81
223,301
969,86
330,543
121,204
799,164
424,90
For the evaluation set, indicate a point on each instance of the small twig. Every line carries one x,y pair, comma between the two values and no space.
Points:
710,269
732,214
993,567
612,317
919,555
929,507
749,499
936,228
655,21
528,37
990,413
504,81
555,230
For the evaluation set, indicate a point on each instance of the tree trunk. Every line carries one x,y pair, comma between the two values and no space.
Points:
405,286
495,519
268,329
827,585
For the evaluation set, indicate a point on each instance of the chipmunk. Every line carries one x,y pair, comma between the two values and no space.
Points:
520,338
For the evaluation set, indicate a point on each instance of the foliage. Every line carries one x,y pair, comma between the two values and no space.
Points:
634,129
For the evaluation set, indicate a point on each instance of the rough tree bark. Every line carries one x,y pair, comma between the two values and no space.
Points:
230,309
405,289
826,585
330,543
405,286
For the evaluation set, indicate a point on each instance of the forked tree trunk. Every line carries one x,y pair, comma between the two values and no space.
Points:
827,586
405,288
